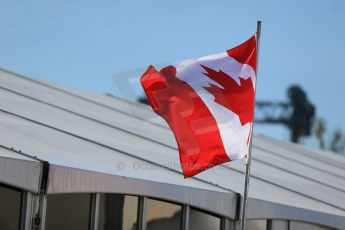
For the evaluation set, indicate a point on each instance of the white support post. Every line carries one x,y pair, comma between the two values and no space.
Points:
94,211
26,212
39,212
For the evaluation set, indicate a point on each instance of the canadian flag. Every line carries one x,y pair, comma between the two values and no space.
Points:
208,103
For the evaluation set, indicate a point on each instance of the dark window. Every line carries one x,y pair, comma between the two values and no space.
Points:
9,208
117,212
68,212
259,224
163,215
279,224
202,221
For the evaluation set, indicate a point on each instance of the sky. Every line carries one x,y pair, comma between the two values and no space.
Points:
88,44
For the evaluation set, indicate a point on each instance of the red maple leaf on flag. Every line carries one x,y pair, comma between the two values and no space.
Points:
239,98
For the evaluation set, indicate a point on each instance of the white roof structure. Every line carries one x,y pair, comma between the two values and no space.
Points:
97,143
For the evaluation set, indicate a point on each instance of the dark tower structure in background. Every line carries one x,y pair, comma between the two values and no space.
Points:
302,115
297,114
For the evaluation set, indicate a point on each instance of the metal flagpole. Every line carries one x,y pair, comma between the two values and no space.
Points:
249,157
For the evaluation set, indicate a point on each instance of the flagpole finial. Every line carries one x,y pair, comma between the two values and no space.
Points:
258,27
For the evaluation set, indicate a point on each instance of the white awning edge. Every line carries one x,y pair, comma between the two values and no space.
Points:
71,180
19,173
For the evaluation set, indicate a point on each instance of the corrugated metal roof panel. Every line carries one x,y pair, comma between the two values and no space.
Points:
69,126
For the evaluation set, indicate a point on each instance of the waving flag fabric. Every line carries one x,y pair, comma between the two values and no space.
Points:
208,103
